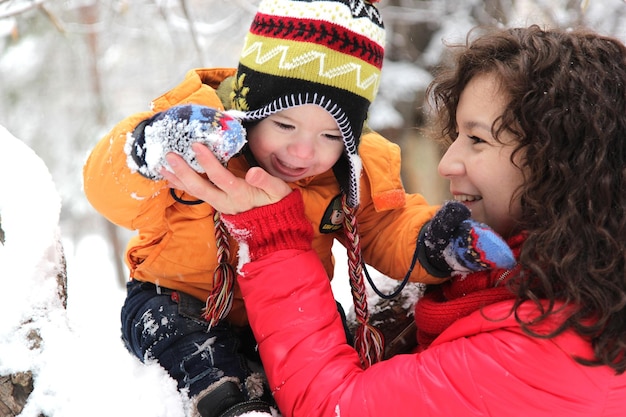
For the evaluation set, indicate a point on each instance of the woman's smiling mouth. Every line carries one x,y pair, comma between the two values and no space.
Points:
465,198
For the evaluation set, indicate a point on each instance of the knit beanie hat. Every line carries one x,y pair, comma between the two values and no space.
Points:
323,52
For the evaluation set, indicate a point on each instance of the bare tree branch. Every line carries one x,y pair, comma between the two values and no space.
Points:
10,8
192,30
55,21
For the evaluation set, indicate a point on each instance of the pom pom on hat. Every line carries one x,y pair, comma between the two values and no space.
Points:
323,52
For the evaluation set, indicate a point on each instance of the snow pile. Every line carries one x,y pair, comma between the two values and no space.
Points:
79,364
29,215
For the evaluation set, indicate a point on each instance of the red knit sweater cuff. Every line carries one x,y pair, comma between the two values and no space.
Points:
266,229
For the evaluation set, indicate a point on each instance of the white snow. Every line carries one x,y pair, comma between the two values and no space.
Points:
82,367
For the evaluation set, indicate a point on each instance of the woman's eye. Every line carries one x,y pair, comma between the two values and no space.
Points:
476,139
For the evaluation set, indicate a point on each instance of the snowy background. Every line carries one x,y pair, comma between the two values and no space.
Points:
71,69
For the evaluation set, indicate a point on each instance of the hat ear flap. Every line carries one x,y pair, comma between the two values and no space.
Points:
347,170
342,173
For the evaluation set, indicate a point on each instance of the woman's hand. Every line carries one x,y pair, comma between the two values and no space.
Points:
223,190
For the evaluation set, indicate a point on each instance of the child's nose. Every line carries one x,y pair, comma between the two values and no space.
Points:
303,147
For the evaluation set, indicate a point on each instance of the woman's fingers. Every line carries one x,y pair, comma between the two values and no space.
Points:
221,188
275,188
183,177
215,171
177,171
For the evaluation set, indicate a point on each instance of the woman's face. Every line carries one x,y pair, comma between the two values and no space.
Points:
296,143
479,168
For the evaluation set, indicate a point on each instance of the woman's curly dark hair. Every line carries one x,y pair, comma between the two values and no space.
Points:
567,108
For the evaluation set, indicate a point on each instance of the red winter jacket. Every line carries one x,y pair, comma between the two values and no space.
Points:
476,367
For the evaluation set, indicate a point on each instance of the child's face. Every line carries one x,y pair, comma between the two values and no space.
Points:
296,143
479,168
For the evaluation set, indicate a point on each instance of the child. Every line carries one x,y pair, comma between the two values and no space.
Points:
307,74
536,126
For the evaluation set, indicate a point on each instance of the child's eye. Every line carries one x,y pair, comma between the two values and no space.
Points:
334,137
283,126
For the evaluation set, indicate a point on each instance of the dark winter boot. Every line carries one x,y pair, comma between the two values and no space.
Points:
226,400
247,407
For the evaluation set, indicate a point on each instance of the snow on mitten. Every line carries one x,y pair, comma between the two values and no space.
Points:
174,130
454,244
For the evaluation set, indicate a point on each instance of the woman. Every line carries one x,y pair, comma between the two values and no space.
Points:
535,121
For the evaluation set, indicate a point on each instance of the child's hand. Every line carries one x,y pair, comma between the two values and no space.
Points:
174,130
224,191
454,244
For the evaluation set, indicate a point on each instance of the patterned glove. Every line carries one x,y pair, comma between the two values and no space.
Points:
174,130
453,244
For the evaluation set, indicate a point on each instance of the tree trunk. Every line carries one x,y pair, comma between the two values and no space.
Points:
14,391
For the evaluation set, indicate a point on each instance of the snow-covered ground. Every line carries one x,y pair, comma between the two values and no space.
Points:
81,368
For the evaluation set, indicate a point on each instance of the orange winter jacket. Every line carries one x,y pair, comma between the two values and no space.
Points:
175,244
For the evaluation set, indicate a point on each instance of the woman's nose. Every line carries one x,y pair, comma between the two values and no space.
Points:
451,163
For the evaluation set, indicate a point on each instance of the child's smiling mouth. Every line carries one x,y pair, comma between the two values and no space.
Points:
286,169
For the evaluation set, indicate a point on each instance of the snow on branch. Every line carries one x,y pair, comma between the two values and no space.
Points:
10,8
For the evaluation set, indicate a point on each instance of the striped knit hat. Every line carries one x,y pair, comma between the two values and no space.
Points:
324,52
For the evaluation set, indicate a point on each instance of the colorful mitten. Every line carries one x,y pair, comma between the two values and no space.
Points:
174,130
454,244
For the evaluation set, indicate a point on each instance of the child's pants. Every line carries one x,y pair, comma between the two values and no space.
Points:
165,325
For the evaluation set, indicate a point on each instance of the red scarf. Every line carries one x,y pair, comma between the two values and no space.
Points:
443,304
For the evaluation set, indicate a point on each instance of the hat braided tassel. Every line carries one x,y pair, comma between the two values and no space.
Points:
220,299
368,340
